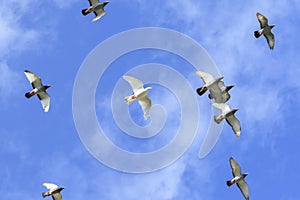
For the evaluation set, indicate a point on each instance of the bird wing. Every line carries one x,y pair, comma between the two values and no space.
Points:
99,13
135,84
93,2
235,124
271,40
50,186
45,100
206,77
243,186
263,21
145,103
33,79
236,169
56,196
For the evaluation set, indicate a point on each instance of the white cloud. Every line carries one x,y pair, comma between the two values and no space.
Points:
227,32
260,76
93,180
14,36
226,49
9,81
67,3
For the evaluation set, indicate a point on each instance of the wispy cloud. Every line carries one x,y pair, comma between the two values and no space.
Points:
226,31
95,181
14,35
15,38
67,3
9,81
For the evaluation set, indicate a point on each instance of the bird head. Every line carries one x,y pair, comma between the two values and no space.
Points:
201,90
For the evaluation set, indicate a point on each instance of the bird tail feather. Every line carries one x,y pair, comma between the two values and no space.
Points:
229,183
129,99
257,34
29,94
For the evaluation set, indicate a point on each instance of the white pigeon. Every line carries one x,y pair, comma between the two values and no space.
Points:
97,8
139,93
238,178
265,30
39,89
53,190
218,91
228,114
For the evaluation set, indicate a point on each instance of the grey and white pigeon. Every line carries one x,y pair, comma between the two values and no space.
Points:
97,7
217,89
53,190
265,30
39,89
140,94
238,178
228,114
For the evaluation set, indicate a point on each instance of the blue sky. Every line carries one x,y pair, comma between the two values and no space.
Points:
52,39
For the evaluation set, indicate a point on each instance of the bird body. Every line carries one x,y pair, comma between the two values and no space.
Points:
218,90
97,7
38,89
140,94
238,178
228,114
265,30
53,190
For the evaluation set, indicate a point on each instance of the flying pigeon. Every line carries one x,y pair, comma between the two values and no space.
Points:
139,93
97,8
53,190
39,89
265,30
228,114
238,178
218,91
